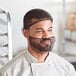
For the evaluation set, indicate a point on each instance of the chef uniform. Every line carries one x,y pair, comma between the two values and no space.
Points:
24,64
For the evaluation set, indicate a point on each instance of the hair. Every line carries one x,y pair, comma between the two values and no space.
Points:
35,15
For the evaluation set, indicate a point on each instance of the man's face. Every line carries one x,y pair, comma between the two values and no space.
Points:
40,36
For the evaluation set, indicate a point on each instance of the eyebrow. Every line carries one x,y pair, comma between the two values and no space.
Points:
42,28
51,27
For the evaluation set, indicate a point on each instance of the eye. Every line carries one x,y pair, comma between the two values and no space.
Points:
38,31
50,30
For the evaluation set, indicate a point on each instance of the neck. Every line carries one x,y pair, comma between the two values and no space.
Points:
41,57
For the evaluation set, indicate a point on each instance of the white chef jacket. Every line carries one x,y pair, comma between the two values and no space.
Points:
24,64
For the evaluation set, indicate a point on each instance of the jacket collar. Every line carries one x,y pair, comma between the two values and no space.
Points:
32,59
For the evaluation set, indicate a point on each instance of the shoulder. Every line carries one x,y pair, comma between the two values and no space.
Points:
59,59
16,60
62,63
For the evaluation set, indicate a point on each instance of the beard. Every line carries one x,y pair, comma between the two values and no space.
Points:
41,45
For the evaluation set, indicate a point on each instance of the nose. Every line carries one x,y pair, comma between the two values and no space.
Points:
48,34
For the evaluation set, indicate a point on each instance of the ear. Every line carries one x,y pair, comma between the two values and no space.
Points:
25,33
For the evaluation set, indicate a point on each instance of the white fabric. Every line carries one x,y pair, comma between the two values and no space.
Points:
25,64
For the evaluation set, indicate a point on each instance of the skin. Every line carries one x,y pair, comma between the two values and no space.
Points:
42,29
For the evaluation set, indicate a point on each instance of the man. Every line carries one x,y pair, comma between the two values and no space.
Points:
37,59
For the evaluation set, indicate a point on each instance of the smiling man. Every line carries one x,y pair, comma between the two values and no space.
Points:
40,39
37,59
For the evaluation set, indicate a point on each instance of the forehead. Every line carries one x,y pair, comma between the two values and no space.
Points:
45,24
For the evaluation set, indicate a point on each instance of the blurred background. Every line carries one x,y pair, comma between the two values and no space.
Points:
64,15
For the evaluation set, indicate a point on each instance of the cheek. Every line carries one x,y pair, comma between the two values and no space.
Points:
35,35
36,40
38,36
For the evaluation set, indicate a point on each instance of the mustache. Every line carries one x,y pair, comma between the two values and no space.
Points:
52,39
44,39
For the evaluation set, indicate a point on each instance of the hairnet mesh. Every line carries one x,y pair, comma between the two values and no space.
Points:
34,16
